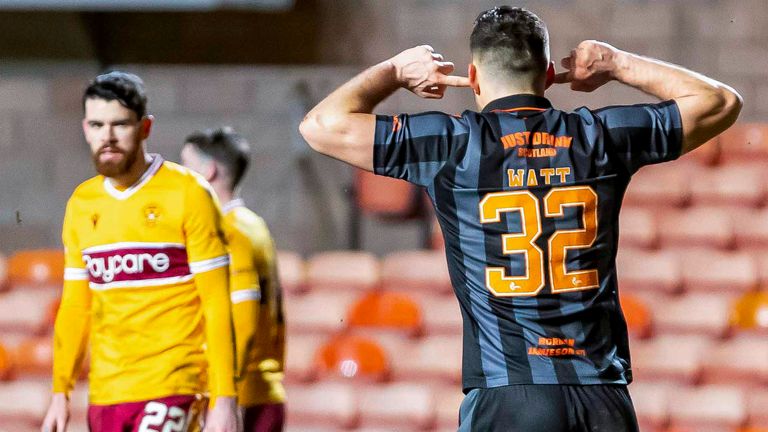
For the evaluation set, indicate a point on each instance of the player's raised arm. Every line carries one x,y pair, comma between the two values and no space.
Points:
707,107
342,126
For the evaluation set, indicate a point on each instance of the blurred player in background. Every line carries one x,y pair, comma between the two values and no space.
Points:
146,281
528,200
221,156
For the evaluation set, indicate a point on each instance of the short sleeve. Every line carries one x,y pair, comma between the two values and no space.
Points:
203,230
414,147
74,267
643,134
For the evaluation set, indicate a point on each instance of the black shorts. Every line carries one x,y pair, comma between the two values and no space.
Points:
548,408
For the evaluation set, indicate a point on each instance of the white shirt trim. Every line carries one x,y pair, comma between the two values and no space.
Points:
235,203
245,295
145,283
74,273
209,264
154,166
131,245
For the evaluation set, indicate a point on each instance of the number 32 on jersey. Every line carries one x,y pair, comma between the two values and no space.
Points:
527,205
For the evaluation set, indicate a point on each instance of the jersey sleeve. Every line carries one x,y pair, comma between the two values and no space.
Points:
203,229
643,134
414,147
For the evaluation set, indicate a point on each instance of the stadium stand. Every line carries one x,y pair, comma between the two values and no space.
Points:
637,315
37,268
384,310
750,313
290,269
347,356
6,363
708,407
3,273
416,270
745,142
638,228
346,270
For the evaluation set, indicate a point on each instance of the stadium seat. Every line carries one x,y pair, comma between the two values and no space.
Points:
706,154
24,310
448,400
696,227
744,142
397,406
734,184
718,271
705,407
761,260
637,315
742,360
416,270
441,315
417,361
318,312
670,358
299,357
24,400
348,356
290,269
4,285
751,228
386,197
40,267
436,241
343,270
651,401
386,310
638,228
695,313
6,363
757,403
750,313
651,271
34,357
324,404
665,185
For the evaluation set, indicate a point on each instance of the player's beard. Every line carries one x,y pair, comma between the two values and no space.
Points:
115,169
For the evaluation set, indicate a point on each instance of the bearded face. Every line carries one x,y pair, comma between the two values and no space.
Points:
114,135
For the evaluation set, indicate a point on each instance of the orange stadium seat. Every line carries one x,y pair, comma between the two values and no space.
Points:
397,406
718,271
417,360
386,197
40,267
665,185
6,363
740,360
745,142
638,228
349,356
734,184
652,271
696,227
343,270
324,404
651,401
421,270
34,356
441,315
299,357
290,269
386,311
637,314
318,312
750,313
702,408
695,313
24,310
670,358
757,401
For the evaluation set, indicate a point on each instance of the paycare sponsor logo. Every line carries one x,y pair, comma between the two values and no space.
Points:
122,265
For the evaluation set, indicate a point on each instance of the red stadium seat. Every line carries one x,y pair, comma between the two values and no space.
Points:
741,360
34,357
665,185
651,401
325,404
299,357
751,228
352,357
40,267
318,312
6,364
387,311
417,361
670,358
734,184
750,313
343,270
637,314
421,270
24,310
757,401
398,406
707,407
745,142
718,271
652,271
696,227
695,313
386,197
4,285
441,315
290,269
638,228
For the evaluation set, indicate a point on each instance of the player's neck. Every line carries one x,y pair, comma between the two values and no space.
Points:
134,173
224,193
491,91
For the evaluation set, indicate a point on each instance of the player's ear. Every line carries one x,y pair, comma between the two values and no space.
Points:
550,75
146,125
472,74
211,172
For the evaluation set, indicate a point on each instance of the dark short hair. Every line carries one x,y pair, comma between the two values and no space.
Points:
126,88
513,39
226,147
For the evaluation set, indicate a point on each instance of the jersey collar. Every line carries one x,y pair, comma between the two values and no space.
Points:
154,166
235,203
518,102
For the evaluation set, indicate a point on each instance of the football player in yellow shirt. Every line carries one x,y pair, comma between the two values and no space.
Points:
146,282
221,156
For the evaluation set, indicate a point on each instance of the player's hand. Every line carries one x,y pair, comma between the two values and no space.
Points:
589,66
223,416
57,417
423,71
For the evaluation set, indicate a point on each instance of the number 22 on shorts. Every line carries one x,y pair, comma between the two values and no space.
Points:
527,205
157,414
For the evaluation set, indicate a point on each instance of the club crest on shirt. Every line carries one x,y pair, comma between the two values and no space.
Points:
95,220
151,214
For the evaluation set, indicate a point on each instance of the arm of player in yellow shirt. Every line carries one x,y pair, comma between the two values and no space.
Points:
245,314
71,335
